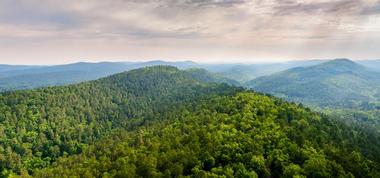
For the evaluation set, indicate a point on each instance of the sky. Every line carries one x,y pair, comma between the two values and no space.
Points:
65,31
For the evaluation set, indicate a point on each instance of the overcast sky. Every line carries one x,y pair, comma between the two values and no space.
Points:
64,31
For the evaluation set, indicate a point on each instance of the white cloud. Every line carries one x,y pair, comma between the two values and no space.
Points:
178,29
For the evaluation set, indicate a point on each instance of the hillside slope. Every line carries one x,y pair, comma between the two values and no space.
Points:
28,77
247,72
337,83
241,135
38,126
161,121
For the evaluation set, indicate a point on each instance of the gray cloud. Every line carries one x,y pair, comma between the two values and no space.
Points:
372,10
200,28
215,3
326,7
28,13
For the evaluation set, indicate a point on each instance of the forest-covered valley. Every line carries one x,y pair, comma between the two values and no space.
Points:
164,122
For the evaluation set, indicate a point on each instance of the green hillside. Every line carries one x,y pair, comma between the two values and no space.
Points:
38,126
338,83
243,135
205,76
164,122
247,72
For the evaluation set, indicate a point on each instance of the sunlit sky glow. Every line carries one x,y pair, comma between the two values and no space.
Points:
65,31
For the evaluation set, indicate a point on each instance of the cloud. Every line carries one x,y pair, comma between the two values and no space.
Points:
373,9
315,8
215,3
23,12
235,26
174,18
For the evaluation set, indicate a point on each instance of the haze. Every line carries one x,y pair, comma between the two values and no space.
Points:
55,32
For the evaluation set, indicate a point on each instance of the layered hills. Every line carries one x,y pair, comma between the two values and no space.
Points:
165,122
16,77
337,83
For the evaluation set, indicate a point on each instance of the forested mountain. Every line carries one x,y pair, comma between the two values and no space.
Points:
205,76
164,122
338,83
37,126
27,77
16,77
247,72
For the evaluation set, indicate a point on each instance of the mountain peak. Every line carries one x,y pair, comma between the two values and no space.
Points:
342,60
338,64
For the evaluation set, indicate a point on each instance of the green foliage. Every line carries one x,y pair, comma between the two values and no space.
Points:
340,88
163,122
244,135
38,126
339,83
205,76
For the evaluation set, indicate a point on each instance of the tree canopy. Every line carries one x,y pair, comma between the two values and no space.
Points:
164,122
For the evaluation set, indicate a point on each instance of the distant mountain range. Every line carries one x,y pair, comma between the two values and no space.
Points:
336,83
16,77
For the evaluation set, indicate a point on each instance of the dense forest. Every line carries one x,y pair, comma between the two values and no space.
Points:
164,122
339,83
38,126
344,89
243,135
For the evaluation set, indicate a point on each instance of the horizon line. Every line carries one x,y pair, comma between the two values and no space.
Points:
178,61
